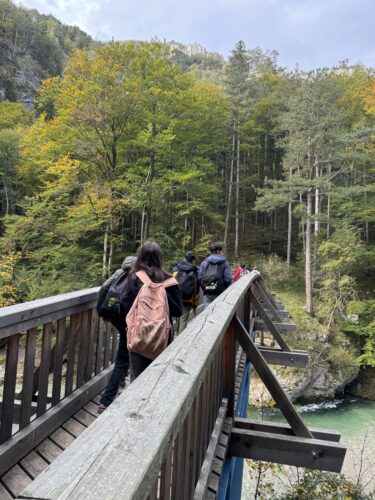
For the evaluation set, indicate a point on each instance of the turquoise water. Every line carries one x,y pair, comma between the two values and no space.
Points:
354,419
350,416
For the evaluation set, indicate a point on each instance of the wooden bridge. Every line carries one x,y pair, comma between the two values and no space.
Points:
179,431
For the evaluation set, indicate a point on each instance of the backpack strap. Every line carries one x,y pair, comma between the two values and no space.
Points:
143,276
169,282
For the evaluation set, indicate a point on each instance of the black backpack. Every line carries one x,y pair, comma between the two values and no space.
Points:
212,279
187,283
108,306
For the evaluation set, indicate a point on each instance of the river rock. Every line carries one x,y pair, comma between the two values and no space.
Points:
313,384
364,385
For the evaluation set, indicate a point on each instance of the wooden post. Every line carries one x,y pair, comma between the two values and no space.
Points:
229,366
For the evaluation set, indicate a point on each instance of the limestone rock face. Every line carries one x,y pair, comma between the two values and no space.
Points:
310,385
364,385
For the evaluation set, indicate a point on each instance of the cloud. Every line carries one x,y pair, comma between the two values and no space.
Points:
312,33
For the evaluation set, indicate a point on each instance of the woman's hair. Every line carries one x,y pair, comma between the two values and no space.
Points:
150,259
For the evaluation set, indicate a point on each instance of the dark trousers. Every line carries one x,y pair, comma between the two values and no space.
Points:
119,373
138,364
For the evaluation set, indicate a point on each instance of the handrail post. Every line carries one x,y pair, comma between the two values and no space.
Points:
229,366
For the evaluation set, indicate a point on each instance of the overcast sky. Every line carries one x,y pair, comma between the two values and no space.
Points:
310,33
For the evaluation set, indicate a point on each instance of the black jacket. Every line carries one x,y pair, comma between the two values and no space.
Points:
133,285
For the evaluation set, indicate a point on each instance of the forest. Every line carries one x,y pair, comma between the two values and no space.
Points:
127,141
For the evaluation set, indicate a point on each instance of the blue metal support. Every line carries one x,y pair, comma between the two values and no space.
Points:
231,477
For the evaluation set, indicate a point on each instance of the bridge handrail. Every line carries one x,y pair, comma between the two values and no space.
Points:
26,315
137,438
60,335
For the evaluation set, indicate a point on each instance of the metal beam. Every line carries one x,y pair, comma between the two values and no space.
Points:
282,358
284,429
288,450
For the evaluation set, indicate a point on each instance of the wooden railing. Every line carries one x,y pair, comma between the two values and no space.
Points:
57,358
161,437
152,441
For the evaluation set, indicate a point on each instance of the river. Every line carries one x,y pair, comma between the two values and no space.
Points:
355,419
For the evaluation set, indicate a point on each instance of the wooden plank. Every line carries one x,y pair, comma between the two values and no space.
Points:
270,381
75,322
83,347
281,327
49,450
62,438
73,427
17,411
175,465
91,408
283,314
107,343
16,480
9,388
28,438
92,334
25,314
267,299
99,348
267,320
202,484
288,450
84,417
28,377
166,477
46,318
44,367
187,471
58,360
4,493
282,358
213,484
281,428
34,464
142,423
229,375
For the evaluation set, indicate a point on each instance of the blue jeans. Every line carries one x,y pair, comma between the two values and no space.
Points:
207,299
119,373
138,364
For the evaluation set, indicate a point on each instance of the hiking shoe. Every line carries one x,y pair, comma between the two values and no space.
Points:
101,408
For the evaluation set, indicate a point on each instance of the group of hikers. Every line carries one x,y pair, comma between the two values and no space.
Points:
142,300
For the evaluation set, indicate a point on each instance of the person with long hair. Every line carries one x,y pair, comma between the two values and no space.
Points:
150,260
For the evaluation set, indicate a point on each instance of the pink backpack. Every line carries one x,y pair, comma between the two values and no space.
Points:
148,320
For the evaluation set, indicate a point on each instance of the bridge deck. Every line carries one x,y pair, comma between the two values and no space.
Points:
27,469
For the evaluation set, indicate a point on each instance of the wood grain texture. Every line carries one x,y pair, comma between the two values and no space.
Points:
288,450
27,439
27,315
141,425
28,377
9,388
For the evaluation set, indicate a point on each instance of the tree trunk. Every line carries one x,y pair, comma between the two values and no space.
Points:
317,200
237,237
289,243
227,216
105,253
7,204
329,206
308,258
